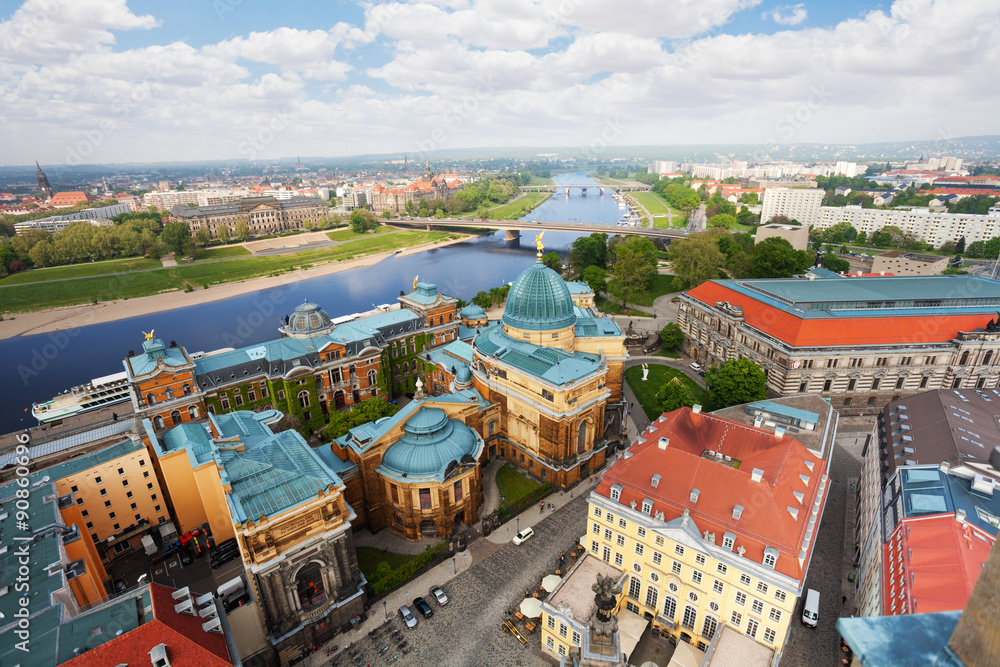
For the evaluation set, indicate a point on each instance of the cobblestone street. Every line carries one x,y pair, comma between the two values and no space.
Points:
467,631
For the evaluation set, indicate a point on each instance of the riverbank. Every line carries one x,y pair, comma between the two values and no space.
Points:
72,317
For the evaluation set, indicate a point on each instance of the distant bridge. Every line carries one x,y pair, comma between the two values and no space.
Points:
584,187
513,228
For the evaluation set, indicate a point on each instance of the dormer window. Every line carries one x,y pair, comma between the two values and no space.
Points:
728,541
737,512
647,506
656,481
770,557
616,491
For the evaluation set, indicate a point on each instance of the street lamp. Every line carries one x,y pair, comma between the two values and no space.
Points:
385,609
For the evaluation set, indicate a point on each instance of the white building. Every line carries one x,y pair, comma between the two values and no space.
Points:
802,204
849,169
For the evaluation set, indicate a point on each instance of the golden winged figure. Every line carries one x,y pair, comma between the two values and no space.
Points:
538,243
149,336
415,278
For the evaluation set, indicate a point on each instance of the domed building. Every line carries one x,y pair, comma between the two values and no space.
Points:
555,370
306,321
417,473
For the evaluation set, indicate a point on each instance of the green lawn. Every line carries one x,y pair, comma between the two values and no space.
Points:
645,392
653,204
538,180
513,485
518,207
221,253
613,308
81,270
349,234
19,298
662,284
369,558
670,354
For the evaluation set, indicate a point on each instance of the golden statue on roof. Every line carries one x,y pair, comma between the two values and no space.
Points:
538,243
415,278
149,336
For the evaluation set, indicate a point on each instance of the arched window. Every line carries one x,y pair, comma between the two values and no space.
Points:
169,393
371,378
309,586
988,358
581,437
491,427
965,358
193,412
354,371
669,608
150,399
175,417
413,345
303,397
157,422
406,367
709,627
186,389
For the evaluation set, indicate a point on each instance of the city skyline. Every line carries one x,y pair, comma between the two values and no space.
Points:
100,81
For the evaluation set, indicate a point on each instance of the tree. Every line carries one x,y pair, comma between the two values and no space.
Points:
362,220
635,265
551,260
242,230
176,237
696,258
776,258
596,278
203,237
673,395
745,217
671,336
307,225
779,220
368,410
960,245
734,382
223,233
835,263
722,220
589,251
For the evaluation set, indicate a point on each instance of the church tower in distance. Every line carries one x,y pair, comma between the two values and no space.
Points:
43,183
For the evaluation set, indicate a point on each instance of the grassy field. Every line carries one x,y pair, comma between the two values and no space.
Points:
538,180
221,253
81,270
662,284
645,392
612,308
349,234
513,485
20,298
370,557
519,207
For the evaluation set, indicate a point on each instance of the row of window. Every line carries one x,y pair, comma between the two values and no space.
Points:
426,503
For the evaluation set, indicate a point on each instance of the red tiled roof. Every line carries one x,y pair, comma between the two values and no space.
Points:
936,563
187,643
765,521
993,192
801,332
69,198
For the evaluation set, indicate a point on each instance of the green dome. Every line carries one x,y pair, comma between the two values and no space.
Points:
430,442
539,301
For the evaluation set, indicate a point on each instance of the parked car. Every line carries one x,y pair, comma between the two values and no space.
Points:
408,617
221,559
423,607
224,547
695,366
120,585
185,555
439,595
523,535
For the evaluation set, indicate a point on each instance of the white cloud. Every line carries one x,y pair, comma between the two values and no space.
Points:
787,14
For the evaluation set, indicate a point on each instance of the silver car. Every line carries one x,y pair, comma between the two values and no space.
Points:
408,617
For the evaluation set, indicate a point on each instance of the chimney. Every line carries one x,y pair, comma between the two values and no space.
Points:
995,458
696,409
756,474
662,444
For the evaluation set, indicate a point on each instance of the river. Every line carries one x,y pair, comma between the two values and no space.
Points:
35,368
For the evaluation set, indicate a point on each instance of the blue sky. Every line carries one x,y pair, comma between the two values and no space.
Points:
138,80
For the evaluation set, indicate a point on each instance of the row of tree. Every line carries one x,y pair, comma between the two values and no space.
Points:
631,263
734,382
700,257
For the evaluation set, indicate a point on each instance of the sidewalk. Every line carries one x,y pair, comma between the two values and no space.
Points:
529,517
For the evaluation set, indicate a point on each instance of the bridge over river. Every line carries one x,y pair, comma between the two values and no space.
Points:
513,228
584,187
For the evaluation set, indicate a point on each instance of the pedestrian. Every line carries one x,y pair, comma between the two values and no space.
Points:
844,601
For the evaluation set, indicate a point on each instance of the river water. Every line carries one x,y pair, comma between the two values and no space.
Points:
35,368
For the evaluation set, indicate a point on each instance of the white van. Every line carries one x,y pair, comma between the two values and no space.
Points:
810,612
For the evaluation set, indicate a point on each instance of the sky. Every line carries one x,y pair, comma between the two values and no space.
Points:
105,81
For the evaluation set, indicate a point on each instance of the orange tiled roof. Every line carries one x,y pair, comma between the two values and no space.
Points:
993,192
765,521
69,198
802,332
937,562
187,643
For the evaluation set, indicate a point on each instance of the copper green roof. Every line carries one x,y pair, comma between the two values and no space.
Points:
308,319
539,301
558,367
430,442
154,350
425,293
